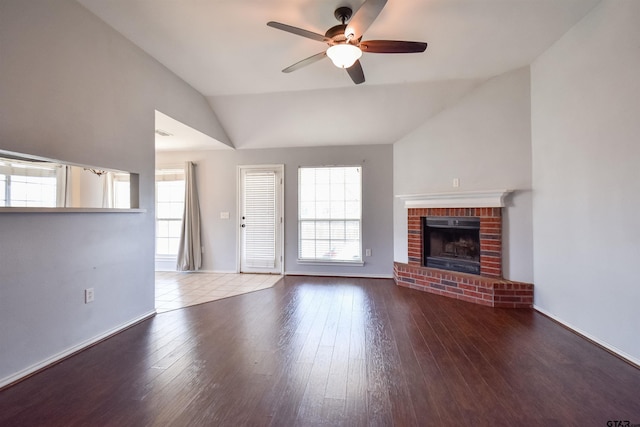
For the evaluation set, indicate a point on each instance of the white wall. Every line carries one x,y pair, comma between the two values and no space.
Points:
586,124
485,141
73,89
216,174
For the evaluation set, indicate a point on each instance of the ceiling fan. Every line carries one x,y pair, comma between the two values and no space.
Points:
345,40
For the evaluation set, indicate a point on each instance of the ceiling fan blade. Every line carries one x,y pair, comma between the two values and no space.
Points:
363,18
392,46
298,31
356,73
305,62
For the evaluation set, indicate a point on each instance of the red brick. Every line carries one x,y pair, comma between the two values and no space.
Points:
473,294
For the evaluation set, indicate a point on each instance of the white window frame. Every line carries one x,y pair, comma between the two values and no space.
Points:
326,261
165,174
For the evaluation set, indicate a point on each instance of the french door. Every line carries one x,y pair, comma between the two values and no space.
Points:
261,219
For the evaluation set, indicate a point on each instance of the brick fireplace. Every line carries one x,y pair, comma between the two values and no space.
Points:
487,288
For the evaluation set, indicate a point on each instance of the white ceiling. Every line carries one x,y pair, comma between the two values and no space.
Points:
224,49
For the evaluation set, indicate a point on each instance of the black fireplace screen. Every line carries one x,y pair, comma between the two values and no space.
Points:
452,243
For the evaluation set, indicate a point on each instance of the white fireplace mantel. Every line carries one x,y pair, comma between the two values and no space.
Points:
457,199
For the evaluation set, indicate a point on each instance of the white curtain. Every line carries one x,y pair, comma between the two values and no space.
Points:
107,190
63,187
190,249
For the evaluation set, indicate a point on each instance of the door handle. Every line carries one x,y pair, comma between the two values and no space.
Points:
242,226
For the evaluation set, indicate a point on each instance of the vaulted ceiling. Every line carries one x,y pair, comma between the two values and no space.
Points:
224,49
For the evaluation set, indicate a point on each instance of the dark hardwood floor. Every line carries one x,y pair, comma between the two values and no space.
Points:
332,351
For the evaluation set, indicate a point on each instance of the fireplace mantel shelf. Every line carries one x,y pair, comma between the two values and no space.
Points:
457,199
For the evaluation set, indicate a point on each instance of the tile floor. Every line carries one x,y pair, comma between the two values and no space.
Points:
181,289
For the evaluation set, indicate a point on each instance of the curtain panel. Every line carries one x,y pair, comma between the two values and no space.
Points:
190,249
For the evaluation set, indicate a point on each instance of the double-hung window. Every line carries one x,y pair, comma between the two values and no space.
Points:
28,184
169,211
121,190
329,214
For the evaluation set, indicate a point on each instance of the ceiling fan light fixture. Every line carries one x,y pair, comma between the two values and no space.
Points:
344,55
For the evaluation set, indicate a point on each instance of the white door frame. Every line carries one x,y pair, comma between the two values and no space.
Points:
279,169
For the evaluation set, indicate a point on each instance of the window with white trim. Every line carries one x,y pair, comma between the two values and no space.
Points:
329,214
169,210
28,184
121,190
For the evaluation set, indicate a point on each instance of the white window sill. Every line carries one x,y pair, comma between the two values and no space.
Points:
332,263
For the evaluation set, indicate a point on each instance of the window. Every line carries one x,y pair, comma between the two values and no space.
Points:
329,214
169,211
25,184
121,190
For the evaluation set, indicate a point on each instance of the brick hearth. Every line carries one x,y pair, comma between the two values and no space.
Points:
489,288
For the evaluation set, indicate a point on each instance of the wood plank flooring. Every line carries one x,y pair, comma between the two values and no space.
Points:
333,351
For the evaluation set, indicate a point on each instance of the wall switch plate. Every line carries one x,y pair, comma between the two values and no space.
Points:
367,252
88,295
224,215
456,182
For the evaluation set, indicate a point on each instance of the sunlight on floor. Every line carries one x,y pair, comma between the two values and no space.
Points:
181,289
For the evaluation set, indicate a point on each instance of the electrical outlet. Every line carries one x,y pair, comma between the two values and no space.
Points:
88,295
456,182
367,252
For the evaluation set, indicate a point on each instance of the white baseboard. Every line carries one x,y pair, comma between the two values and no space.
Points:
202,271
590,337
57,357
218,271
325,274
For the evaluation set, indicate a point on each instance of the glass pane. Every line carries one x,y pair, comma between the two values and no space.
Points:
323,249
162,228
162,246
323,230
173,246
352,210
307,210
323,210
352,192
307,230
121,194
351,251
352,175
307,178
352,230
337,230
176,210
163,210
337,250
308,249
337,191
18,190
323,176
337,209
162,191
337,175
323,192
175,228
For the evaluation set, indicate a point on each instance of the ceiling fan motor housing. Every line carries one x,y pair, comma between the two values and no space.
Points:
343,14
336,33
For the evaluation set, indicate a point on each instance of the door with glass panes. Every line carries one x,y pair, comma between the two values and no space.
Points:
260,219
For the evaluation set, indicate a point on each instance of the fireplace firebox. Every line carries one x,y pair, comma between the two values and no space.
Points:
451,243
